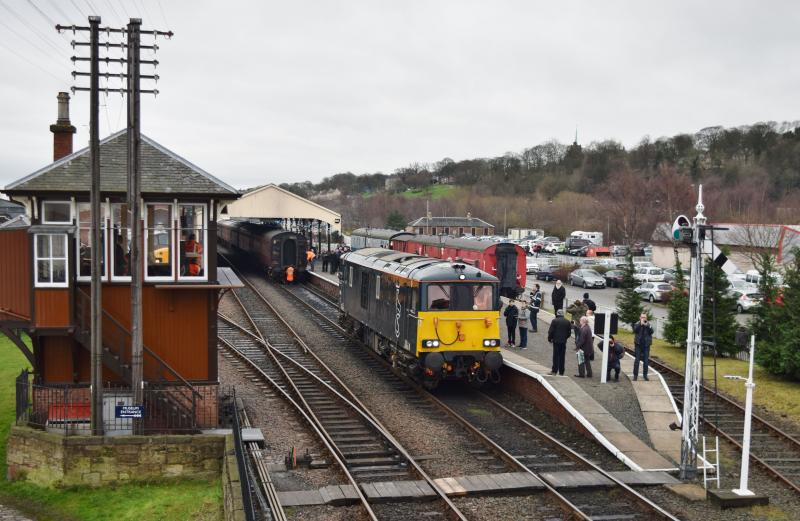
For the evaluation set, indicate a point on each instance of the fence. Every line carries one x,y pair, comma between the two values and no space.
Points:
66,409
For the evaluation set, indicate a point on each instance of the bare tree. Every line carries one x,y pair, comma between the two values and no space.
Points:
629,202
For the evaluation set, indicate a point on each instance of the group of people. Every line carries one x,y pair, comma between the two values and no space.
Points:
522,314
523,317
332,259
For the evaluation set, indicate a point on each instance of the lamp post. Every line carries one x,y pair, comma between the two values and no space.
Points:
748,413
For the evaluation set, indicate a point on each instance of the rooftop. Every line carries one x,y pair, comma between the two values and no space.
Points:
163,171
450,221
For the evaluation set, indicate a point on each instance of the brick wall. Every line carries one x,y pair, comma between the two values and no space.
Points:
534,393
54,460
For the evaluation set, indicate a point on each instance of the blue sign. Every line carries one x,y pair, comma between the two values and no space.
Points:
130,411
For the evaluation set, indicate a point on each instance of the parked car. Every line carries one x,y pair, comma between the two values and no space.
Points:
619,250
746,300
649,274
614,278
587,279
546,273
670,275
575,245
551,238
642,264
531,264
589,262
554,247
653,291
742,286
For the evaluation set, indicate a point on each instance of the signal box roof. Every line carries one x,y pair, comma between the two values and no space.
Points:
163,172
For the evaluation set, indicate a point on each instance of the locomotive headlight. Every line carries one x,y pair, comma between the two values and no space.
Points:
487,343
462,277
430,343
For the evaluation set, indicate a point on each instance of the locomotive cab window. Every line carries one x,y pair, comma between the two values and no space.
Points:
459,297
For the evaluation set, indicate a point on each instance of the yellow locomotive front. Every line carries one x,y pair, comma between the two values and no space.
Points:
458,330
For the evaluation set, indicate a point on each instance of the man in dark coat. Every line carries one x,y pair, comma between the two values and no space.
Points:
585,345
536,304
642,340
558,334
511,313
589,303
559,294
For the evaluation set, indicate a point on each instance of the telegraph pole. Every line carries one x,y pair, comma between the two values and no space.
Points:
96,290
133,90
134,197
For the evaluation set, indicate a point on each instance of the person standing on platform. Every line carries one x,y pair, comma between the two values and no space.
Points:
310,256
558,334
512,314
325,259
642,340
558,296
585,349
523,325
589,302
536,304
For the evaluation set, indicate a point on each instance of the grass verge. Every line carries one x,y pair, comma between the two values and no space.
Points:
200,500
434,192
778,396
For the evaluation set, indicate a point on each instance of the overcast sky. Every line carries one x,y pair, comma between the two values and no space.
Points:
263,91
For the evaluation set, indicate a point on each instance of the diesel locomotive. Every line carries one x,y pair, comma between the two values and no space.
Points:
435,319
273,248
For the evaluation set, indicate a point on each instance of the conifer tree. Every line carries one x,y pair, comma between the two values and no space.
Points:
777,345
629,303
677,326
719,325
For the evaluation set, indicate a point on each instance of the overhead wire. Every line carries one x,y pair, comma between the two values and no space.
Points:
33,64
32,28
58,10
163,15
44,52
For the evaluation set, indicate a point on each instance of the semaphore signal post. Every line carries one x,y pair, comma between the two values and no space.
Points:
132,75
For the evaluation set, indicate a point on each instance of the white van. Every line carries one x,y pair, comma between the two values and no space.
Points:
595,238
649,274
754,277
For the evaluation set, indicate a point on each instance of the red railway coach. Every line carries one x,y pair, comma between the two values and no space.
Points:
504,260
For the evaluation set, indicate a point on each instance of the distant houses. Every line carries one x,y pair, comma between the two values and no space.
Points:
455,226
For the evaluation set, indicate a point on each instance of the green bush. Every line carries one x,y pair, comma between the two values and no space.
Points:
776,327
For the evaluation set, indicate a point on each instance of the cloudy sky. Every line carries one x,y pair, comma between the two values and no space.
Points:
259,91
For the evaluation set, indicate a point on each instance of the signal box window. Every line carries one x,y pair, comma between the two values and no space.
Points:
158,238
85,241
193,240
57,212
121,235
51,260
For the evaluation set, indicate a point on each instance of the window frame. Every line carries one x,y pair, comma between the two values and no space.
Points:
170,233
37,258
44,212
112,255
104,238
377,287
179,229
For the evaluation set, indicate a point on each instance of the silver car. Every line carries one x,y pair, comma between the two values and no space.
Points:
653,291
746,300
587,279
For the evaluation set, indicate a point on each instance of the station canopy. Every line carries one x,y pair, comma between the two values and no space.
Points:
273,202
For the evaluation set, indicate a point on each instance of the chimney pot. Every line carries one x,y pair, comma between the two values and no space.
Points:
62,129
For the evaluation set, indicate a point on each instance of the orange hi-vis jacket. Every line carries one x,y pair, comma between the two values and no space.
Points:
289,274
310,255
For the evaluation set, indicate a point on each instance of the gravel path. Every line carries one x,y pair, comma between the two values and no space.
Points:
9,514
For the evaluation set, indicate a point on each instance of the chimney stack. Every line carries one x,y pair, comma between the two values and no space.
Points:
63,129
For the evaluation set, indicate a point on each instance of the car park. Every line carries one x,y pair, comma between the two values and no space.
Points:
649,274
653,291
671,273
575,245
642,264
586,278
614,278
546,273
619,250
746,300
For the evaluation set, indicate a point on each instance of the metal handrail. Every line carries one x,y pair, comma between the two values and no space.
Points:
120,328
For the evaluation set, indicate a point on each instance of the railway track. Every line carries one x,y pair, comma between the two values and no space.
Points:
777,451
364,450
529,450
